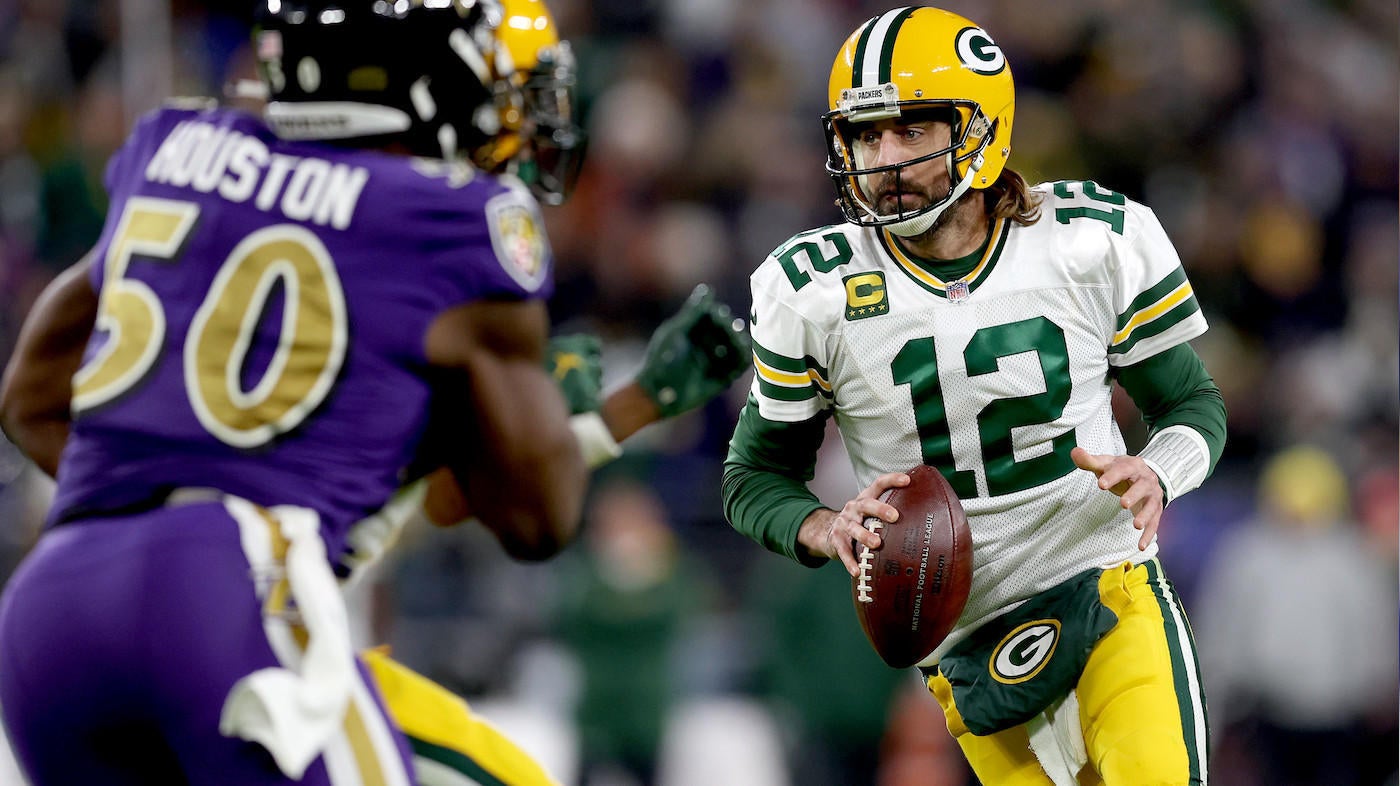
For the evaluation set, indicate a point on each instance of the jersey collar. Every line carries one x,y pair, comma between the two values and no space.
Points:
923,271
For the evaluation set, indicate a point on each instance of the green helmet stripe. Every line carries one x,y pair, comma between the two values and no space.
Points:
887,49
865,67
859,56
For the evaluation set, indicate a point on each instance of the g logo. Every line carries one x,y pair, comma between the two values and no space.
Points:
978,51
1025,651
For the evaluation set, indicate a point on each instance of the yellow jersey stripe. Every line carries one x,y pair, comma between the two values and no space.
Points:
1173,299
789,379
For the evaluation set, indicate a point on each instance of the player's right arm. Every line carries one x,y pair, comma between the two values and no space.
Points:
773,453
522,470
37,389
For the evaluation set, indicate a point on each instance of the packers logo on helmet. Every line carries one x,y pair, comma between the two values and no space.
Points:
977,51
928,61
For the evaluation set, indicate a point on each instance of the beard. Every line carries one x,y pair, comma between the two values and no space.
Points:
890,191
893,195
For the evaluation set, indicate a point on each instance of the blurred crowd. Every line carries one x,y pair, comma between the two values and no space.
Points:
1263,133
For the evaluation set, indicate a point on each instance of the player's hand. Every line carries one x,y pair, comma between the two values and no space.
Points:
576,363
694,355
837,535
1136,485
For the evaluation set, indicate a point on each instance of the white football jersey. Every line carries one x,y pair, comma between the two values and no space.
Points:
991,378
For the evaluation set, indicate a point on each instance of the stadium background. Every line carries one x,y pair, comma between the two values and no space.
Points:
664,647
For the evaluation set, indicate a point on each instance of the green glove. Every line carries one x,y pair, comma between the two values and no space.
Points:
694,355
576,363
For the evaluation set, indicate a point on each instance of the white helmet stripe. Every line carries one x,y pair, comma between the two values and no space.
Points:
422,99
461,43
868,69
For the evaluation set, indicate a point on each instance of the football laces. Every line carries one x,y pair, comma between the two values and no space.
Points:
867,557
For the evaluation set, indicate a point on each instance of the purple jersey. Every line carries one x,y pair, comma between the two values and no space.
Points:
263,310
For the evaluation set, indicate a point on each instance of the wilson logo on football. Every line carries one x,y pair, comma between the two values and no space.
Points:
1025,651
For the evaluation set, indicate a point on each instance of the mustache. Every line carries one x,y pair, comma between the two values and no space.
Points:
891,186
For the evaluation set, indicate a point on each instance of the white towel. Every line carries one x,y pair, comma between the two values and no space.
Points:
1058,741
294,710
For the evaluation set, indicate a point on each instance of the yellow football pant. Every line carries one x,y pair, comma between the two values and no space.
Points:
449,741
1141,706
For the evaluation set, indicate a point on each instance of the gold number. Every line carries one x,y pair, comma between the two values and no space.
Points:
311,337
128,311
310,347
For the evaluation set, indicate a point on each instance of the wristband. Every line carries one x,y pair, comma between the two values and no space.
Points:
595,441
1180,457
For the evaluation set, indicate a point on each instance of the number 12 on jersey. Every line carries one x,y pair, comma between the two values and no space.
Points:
916,365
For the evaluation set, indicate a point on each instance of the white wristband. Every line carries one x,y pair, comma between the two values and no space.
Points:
594,440
1180,457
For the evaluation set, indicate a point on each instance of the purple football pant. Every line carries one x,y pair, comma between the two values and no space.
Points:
119,641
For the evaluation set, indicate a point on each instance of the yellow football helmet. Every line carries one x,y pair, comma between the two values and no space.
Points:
911,60
546,74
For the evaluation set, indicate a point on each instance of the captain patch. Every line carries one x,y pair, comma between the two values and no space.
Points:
517,236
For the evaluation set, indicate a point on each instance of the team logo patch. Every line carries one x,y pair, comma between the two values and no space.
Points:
866,295
1024,651
517,235
978,52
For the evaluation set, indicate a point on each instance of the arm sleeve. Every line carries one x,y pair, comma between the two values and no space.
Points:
765,479
774,450
1173,388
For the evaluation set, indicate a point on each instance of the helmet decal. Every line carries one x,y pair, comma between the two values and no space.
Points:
309,74
978,52
876,48
466,49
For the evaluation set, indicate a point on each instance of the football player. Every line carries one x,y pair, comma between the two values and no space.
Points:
963,319
286,319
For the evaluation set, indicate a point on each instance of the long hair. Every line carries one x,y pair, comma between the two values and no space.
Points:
1011,197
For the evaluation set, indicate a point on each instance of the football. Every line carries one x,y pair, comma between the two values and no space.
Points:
910,592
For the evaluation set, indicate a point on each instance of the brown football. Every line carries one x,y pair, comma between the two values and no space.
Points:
910,592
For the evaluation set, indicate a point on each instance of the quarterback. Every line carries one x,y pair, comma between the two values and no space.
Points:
288,319
964,319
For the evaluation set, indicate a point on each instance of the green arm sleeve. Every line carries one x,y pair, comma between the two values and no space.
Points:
1173,388
765,480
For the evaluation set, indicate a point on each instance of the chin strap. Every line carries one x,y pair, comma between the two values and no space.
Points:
920,223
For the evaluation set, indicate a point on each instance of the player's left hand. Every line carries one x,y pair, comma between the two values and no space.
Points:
576,363
1136,485
694,355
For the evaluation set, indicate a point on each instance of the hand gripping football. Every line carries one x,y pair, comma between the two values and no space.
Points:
910,592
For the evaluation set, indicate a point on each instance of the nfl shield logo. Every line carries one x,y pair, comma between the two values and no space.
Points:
958,291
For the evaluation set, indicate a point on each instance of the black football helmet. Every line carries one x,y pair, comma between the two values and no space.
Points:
434,76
